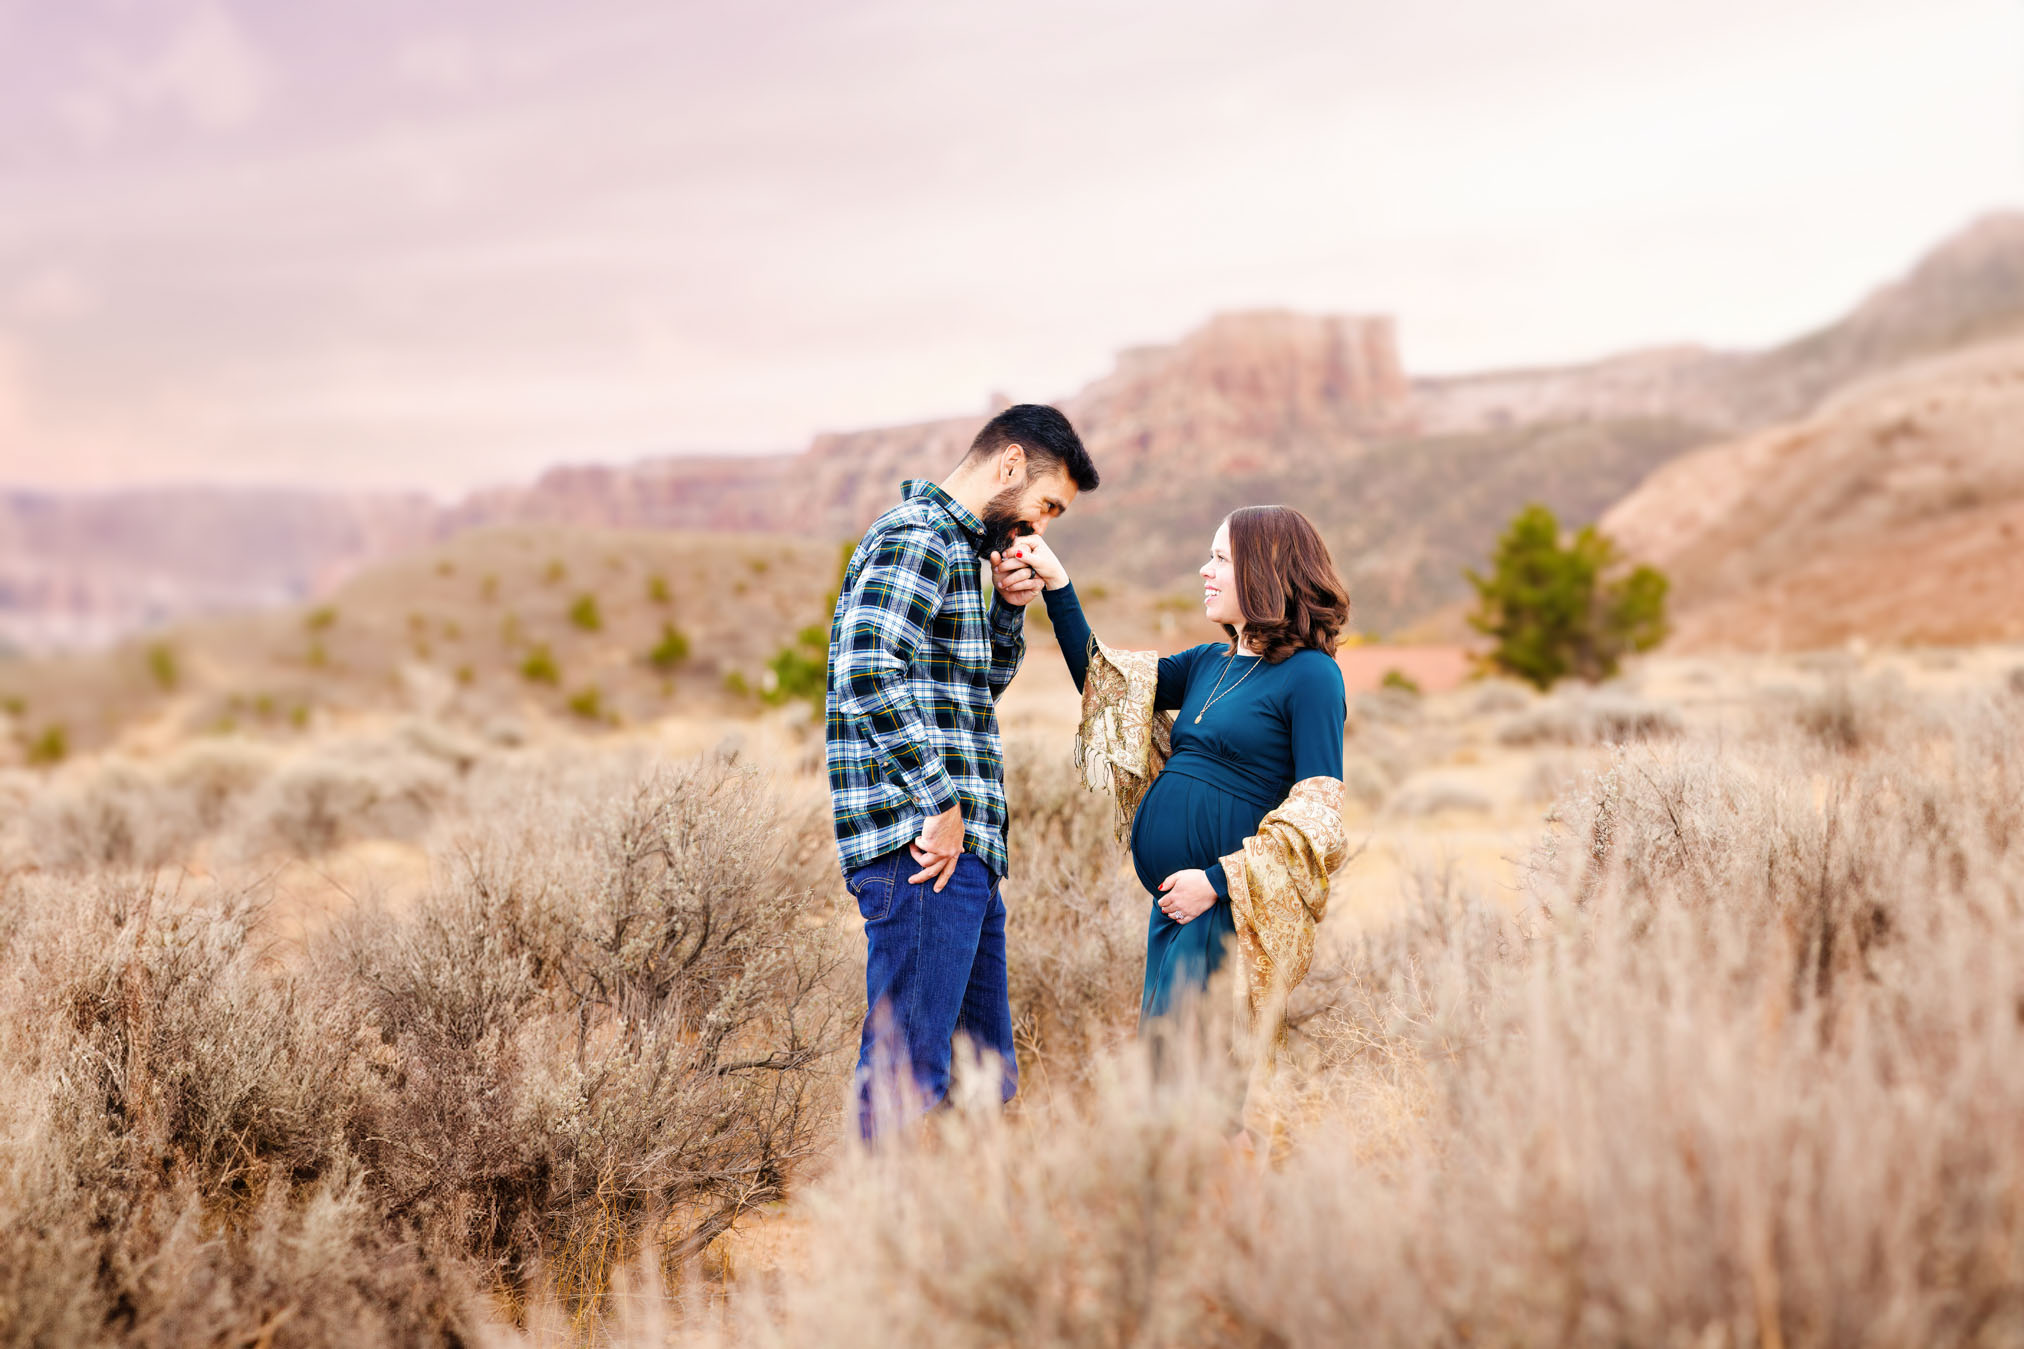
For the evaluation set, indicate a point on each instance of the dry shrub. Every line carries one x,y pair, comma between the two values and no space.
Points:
1364,783
619,1016
320,802
616,1019
1388,706
1076,920
1849,715
1749,1069
179,1171
1392,753
214,776
1439,795
1499,697
1590,718
1082,1224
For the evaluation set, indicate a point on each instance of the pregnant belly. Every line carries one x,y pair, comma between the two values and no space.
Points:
1185,823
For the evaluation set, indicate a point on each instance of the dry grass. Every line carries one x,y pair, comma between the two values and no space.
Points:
1743,1064
614,1017
1747,1069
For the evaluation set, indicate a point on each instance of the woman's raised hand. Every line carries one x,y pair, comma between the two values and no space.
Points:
1032,551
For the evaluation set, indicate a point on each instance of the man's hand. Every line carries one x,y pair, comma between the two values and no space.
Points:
1032,551
1187,895
939,848
1016,582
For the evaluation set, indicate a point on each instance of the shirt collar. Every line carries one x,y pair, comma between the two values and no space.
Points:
965,518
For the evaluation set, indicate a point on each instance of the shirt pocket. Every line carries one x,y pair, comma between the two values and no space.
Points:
961,641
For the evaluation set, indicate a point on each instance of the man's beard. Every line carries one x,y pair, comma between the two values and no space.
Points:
1001,520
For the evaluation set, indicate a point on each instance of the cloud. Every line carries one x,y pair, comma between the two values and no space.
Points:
446,62
211,70
13,402
55,293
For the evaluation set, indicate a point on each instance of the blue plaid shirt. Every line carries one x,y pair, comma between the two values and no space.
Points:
917,659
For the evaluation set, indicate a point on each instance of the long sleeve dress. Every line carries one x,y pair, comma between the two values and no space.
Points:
1245,731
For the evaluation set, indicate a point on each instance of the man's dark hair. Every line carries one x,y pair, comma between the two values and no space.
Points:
1049,441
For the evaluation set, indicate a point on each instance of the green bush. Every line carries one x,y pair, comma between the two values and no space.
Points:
671,650
163,666
1557,609
736,684
540,666
1399,679
584,613
800,670
320,619
657,590
51,747
588,703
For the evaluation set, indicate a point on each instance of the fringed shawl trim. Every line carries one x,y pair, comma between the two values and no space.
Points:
1122,742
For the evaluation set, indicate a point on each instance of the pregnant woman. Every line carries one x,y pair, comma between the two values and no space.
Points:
1226,760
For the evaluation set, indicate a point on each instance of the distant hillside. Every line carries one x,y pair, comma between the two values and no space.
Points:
81,569
1409,478
1895,512
497,630
513,625
1403,518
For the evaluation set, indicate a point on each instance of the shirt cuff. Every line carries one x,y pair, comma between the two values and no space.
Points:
932,791
1007,620
1218,881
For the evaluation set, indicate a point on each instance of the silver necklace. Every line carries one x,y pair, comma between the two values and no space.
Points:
1218,691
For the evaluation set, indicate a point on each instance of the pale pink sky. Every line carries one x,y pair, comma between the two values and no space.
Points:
437,243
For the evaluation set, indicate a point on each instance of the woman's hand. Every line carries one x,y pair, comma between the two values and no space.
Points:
1032,551
1187,895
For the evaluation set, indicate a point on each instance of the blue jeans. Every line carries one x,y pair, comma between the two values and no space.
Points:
934,966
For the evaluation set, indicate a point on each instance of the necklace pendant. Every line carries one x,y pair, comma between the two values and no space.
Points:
1198,717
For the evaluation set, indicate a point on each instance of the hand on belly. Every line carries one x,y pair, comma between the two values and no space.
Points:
1187,895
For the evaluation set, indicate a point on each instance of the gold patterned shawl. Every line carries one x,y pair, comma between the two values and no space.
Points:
1278,879
1122,742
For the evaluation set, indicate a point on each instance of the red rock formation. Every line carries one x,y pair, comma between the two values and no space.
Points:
1245,392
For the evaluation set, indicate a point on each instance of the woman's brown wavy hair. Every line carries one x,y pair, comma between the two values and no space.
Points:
1287,585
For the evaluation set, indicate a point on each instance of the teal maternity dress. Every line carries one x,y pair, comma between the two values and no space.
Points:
1270,726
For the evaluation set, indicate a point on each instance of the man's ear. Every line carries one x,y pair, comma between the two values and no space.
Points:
1011,462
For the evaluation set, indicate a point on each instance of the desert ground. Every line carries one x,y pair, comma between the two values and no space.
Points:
1680,1010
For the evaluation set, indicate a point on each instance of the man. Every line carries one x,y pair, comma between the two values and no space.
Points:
918,656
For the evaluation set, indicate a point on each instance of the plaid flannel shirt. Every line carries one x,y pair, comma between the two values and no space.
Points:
917,659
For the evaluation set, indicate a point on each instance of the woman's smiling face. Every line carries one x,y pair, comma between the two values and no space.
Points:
1219,582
